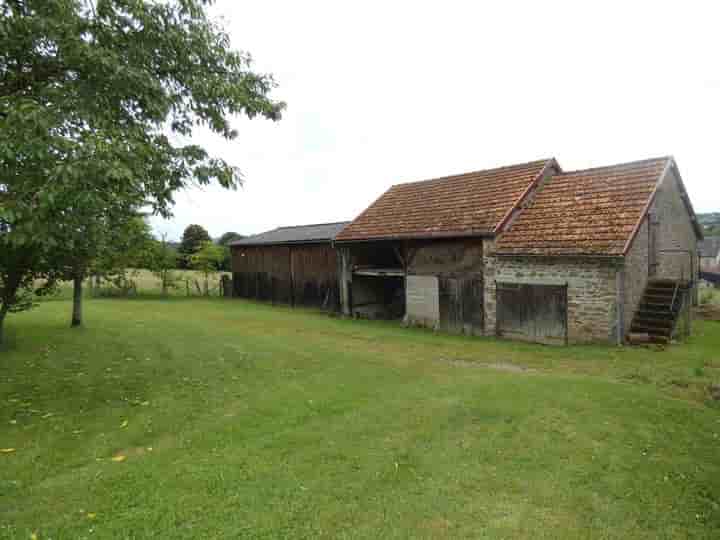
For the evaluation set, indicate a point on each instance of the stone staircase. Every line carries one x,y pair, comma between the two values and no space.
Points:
658,311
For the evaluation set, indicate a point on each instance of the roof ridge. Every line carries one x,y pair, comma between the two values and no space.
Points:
460,175
617,165
294,234
308,225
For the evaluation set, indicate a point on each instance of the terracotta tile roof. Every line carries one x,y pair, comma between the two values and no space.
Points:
467,204
588,212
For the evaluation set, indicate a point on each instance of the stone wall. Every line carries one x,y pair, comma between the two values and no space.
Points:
428,261
592,291
461,257
635,274
489,300
674,231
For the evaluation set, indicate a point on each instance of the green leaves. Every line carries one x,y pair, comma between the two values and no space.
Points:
87,97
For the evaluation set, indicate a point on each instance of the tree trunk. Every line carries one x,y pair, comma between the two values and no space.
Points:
3,312
77,300
11,284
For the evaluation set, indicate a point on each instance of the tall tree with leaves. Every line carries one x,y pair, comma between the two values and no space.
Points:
208,260
90,93
225,240
100,240
126,248
162,263
228,237
17,283
193,238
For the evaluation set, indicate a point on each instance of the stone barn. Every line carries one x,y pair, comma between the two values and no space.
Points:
529,252
288,265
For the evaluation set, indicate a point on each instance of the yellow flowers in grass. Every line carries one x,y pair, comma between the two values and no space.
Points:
118,458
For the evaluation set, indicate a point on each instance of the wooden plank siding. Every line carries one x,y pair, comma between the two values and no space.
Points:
461,305
532,312
303,274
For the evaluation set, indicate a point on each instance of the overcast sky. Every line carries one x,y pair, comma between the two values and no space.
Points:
385,92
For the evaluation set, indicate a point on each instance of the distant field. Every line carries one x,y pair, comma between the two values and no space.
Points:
149,285
218,418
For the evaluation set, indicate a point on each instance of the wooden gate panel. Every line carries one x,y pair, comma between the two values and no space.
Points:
460,305
512,310
449,295
532,312
472,308
550,306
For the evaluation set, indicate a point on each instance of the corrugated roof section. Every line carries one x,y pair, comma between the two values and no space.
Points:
588,212
300,234
467,204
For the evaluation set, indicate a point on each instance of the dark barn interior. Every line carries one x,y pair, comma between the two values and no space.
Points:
377,285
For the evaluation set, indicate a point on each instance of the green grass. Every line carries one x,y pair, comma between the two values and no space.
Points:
239,420
710,296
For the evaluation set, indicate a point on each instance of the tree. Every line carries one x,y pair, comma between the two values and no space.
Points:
16,282
225,240
162,263
103,241
90,92
228,237
126,246
208,260
192,240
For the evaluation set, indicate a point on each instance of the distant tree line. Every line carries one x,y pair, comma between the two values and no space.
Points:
135,247
195,239
710,223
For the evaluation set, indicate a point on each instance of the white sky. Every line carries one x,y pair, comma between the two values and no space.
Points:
384,92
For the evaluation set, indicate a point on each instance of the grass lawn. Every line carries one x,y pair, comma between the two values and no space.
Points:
711,296
191,418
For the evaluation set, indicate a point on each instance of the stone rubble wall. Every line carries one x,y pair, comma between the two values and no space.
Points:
592,290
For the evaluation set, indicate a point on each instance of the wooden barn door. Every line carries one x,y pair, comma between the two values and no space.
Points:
461,305
532,312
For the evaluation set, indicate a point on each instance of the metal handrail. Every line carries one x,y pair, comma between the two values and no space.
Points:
672,304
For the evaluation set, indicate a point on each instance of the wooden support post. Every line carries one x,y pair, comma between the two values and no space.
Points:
345,277
292,278
400,257
567,316
620,308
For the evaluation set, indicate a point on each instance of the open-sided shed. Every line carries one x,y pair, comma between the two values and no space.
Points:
288,265
417,253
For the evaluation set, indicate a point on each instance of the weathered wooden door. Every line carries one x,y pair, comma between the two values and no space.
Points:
461,305
532,312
